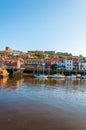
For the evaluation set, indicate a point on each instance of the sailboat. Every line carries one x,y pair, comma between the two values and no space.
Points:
38,75
71,76
58,76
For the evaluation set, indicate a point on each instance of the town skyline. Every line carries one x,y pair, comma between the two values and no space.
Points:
43,25
10,50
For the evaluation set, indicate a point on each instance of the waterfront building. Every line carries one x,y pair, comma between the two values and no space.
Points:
12,63
82,65
59,62
68,64
34,63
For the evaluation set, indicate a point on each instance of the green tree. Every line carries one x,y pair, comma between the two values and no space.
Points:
54,68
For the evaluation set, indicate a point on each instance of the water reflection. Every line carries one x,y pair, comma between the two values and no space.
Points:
16,83
73,83
3,82
42,104
6,83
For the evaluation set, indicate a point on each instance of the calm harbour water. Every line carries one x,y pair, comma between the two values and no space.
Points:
38,104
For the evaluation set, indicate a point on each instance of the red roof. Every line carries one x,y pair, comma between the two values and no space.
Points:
10,60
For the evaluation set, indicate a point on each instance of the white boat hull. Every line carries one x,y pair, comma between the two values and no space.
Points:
58,76
40,76
71,77
83,77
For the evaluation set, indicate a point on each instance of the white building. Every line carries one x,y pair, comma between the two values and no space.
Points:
68,64
16,52
82,65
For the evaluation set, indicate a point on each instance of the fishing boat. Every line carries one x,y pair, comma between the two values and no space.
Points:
3,73
40,76
71,76
78,76
83,76
58,76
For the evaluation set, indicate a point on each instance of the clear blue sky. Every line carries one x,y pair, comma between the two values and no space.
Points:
58,25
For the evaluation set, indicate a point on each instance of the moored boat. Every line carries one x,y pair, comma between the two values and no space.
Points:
71,76
58,76
83,76
78,76
40,76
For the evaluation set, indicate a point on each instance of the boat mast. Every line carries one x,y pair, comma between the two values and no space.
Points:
43,64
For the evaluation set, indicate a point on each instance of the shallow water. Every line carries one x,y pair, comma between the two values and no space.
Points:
38,104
